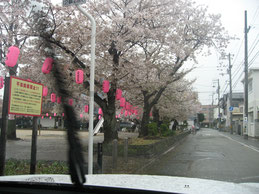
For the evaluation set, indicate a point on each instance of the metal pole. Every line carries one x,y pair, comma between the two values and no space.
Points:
34,146
91,104
4,125
230,93
245,121
212,113
219,105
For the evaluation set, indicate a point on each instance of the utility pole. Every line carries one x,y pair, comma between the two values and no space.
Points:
212,111
219,119
230,93
245,120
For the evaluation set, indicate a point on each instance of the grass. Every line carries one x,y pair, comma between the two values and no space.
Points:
19,167
147,140
143,141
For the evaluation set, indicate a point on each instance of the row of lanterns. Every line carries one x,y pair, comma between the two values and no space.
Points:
11,61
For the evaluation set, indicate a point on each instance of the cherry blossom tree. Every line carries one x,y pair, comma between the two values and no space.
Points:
178,101
13,32
141,48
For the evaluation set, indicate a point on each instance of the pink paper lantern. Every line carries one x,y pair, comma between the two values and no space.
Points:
42,117
53,97
100,112
127,106
1,82
86,108
116,116
106,86
59,99
55,114
81,115
119,116
99,117
79,76
122,102
47,114
50,117
122,111
47,65
45,91
70,102
118,94
63,114
12,56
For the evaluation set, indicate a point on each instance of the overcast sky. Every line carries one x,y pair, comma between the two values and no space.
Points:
232,17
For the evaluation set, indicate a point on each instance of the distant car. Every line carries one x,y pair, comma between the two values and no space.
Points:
128,125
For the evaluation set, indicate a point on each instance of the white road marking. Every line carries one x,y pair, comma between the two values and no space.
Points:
248,146
168,150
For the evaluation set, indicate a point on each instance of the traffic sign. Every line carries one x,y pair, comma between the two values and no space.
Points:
230,108
73,2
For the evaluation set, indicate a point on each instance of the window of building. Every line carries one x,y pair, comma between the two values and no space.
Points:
250,85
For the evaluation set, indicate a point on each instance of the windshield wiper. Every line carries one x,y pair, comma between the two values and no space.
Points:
75,155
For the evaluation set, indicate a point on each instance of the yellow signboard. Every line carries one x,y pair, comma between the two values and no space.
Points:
25,97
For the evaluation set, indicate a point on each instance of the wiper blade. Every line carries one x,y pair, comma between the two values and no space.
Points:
75,155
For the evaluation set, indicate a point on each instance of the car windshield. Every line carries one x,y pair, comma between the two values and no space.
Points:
161,87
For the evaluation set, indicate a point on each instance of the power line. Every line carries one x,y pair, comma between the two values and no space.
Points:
240,76
253,59
254,44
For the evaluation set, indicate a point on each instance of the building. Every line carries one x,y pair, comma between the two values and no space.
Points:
253,103
207,110
237,112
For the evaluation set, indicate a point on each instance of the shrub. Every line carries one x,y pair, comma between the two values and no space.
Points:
165,131
152,129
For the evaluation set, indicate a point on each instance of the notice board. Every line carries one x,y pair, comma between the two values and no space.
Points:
25,97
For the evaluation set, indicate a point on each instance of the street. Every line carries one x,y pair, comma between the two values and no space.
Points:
51,145
211,154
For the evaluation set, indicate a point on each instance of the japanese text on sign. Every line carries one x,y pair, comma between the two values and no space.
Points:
25,97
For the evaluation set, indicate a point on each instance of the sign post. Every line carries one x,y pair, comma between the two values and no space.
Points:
25,97
4,126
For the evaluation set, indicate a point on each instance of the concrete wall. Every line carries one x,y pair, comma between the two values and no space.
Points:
253,105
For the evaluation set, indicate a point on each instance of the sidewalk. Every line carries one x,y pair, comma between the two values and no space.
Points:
251,142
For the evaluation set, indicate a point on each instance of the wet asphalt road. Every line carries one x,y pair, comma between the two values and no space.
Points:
211,154
51,145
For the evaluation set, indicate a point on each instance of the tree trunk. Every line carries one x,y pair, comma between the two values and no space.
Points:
11,129
145,118
144,123
109,125
109,111
156,115
148,104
